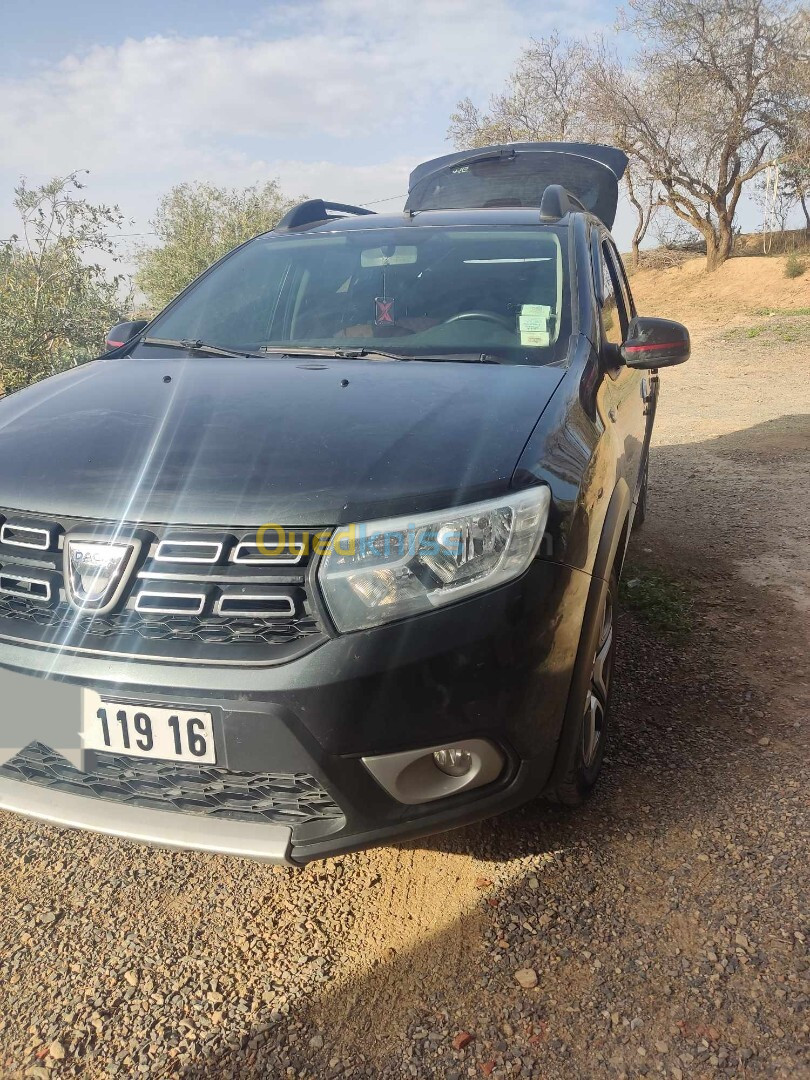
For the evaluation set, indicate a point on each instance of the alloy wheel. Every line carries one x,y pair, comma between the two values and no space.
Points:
593,721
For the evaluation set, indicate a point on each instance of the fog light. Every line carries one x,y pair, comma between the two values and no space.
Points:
453,761
435,772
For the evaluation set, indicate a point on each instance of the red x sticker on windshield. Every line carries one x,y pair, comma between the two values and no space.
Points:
385,311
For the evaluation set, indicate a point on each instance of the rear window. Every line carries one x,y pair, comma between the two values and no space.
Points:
429,291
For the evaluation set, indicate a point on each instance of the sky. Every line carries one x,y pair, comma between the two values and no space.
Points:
335,98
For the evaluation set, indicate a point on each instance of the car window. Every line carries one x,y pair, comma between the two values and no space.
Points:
430,291
620,276
614,310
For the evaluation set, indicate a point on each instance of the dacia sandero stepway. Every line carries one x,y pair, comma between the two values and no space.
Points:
326,554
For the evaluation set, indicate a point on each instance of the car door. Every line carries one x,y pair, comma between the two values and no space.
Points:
649,379
628,388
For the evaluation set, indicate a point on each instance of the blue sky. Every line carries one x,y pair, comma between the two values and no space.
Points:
337,98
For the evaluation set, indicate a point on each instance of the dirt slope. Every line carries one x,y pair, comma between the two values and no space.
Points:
730,294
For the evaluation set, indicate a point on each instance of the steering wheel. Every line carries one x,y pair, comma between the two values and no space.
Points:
487,316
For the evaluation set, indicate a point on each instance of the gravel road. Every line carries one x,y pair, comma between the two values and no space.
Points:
661,931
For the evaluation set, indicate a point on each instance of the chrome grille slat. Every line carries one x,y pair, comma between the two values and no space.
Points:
232,575
254,609
169,602
161,556
24,536
247,553
31,560
9,586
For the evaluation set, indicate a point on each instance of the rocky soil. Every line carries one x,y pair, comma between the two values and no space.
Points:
661,931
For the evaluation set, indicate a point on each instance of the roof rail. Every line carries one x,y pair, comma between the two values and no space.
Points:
556,202
314,210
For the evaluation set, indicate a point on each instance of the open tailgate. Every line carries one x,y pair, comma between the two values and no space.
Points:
517,174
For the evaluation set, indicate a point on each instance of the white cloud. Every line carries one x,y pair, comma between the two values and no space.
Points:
368,70
336,97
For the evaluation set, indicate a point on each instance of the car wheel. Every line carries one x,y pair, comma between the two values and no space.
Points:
640,515
588,750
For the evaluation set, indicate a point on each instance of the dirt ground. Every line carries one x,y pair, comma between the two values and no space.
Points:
666,922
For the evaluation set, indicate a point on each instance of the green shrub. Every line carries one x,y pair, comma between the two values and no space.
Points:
661,600
56,300
794,266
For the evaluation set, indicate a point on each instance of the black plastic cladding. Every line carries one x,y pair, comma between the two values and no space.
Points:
294,799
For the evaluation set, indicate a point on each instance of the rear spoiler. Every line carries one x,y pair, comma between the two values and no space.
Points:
589,171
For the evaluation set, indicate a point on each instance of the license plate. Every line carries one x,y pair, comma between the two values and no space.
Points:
146,731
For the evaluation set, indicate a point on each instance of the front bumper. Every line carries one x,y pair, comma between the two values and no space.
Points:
165,828
497,667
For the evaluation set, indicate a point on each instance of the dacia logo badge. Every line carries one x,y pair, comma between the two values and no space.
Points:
96,571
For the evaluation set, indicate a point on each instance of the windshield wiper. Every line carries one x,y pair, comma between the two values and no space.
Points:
372,354
332,353
457,358
194,346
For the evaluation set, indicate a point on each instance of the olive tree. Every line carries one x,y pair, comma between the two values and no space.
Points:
56,299
195,224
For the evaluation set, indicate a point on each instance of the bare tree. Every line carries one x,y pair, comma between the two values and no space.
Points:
546,98
778,196
794,174
550,97
703,113
717,91
794,187
641,193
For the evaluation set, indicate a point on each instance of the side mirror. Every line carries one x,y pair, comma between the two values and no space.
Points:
655,343
124,332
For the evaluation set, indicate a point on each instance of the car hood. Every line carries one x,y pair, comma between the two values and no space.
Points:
212,441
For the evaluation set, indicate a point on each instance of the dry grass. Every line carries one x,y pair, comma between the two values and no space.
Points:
726,297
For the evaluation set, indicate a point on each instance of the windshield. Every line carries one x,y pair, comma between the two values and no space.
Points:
432,291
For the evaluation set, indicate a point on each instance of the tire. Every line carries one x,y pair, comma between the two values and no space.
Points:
581,771
640,515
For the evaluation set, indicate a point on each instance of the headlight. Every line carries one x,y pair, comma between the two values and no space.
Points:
379,571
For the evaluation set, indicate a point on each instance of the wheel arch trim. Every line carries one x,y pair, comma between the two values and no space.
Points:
614,534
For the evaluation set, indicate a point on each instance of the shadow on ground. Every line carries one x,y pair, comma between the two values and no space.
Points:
612,905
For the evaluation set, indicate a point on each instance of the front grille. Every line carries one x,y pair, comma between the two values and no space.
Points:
222,631
293,799
196,595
